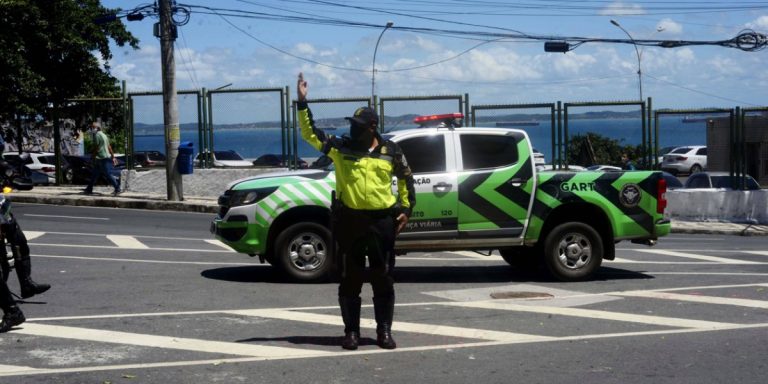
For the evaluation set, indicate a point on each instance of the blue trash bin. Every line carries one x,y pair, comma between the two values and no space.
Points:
184,160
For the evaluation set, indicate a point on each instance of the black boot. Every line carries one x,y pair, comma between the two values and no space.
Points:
12,317
384,310
23,267
29,287
350,314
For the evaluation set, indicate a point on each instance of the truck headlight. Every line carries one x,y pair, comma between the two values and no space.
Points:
249,196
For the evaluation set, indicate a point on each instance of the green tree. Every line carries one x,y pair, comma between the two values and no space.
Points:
593,148
52,51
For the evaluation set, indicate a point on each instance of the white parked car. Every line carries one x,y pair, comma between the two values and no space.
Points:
603,168
538,157
226,159
44,162
689,159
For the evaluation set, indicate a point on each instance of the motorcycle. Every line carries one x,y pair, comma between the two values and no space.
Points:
12,177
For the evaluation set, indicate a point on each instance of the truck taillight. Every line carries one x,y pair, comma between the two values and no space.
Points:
661,195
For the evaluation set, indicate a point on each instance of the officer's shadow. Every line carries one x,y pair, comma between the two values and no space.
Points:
330,341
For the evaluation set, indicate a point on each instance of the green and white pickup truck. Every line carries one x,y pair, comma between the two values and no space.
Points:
476,189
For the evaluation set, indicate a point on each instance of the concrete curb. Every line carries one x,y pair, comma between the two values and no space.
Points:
123,201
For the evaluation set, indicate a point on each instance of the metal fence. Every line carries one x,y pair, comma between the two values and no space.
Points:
525,117
258,121
328,115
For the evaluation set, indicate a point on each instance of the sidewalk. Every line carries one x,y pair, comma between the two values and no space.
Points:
102,197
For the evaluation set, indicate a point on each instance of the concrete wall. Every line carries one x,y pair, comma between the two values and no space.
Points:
201,183
718,205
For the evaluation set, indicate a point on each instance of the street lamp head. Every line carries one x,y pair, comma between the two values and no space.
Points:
373,65
614,22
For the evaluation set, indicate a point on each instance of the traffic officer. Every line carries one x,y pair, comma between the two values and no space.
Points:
369,216
12,315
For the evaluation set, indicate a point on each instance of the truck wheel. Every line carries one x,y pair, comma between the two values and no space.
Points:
573,251
303,251
695,169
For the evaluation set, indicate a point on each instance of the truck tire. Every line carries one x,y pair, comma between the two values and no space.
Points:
573,251
303,252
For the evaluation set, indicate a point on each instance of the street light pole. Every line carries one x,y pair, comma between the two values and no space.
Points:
373,66
637,52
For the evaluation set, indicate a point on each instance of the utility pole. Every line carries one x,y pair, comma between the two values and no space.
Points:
167,36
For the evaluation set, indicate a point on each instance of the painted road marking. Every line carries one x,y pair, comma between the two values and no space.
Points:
695,256
128,242
220,244
594,314
398,326
149,261
31,235
732,262
252,352
68,217
180,343
698,299
116,247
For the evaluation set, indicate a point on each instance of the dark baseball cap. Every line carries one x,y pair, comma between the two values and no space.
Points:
364,116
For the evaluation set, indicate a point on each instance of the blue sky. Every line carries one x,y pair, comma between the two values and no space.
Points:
213,50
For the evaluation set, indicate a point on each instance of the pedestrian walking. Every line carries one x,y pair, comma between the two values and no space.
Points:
369,215
626,163
102,160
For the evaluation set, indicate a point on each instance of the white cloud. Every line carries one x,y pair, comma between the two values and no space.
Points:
620,8
572,63
669,26
305,49
761,23
725,66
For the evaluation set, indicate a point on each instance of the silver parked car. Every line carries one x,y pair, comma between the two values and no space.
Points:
718,180
688,159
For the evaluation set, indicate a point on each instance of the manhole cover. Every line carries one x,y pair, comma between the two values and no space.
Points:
521,295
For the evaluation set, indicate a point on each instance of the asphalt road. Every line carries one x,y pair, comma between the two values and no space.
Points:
148,297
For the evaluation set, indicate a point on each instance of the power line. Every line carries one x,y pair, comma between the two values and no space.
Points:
701,92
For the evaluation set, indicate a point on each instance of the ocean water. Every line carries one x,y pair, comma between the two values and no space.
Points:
252,143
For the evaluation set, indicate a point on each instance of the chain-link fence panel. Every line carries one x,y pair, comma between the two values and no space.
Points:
329,115
247,125
398,112
676,130
538,120
600,133
148,126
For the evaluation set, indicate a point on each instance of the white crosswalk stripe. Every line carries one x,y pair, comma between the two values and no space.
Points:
695,256
698,299
437,330
128,242
210,346
245,352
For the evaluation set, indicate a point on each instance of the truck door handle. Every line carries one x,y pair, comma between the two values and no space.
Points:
442,187
517,182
